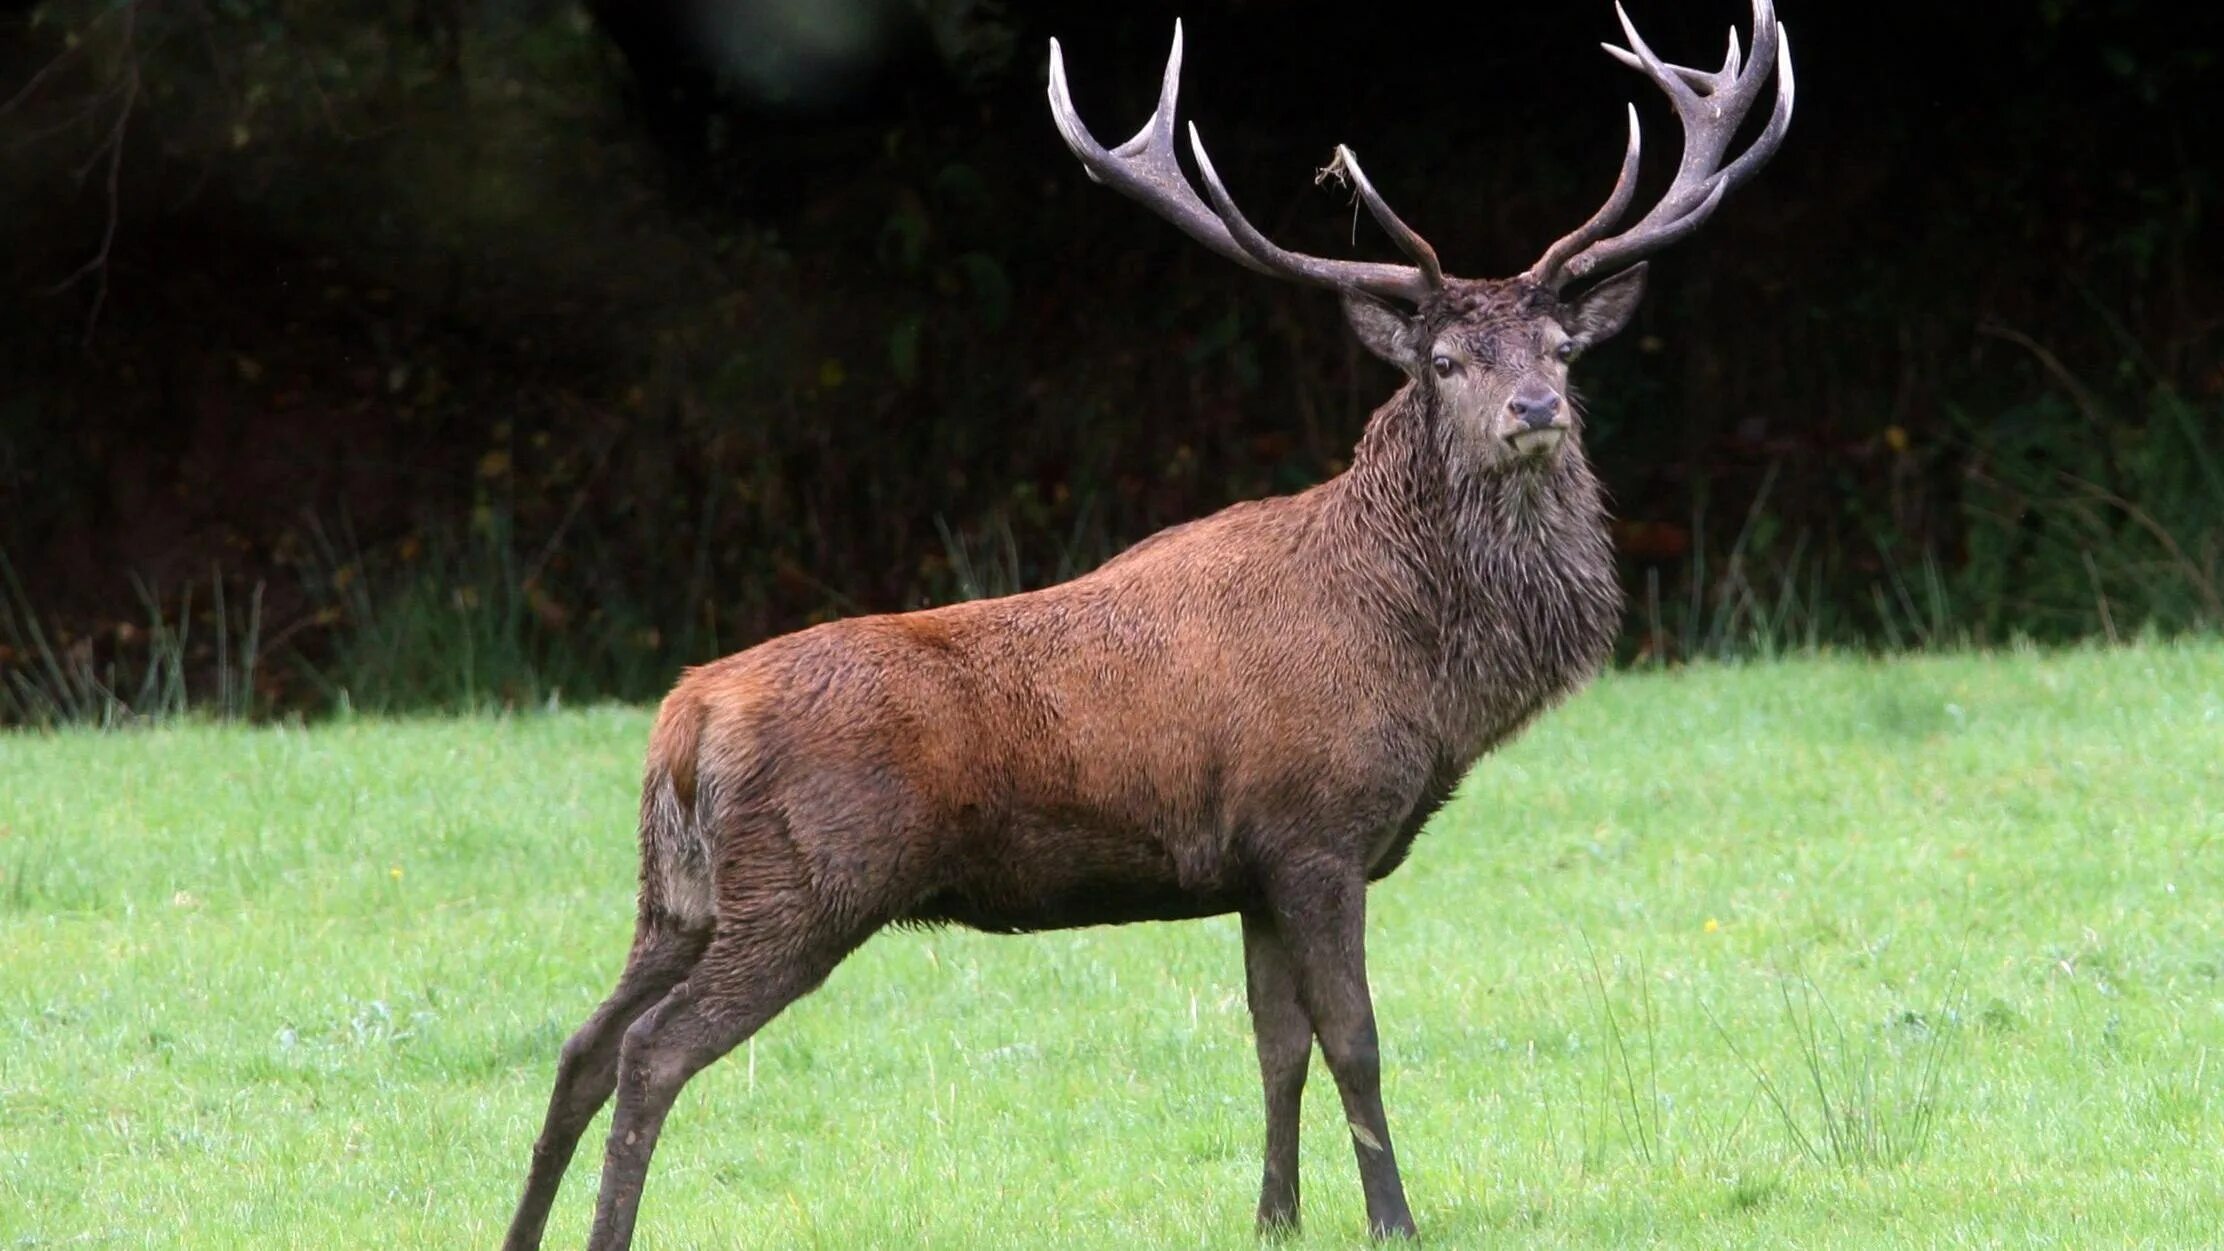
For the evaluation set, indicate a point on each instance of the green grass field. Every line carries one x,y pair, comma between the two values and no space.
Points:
1820,954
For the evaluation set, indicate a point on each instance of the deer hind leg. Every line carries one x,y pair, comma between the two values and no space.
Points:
763,959
1284,1034
587,1068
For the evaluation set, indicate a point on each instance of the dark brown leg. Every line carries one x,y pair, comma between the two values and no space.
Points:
587,1068
1321,913
1285,1038
753,969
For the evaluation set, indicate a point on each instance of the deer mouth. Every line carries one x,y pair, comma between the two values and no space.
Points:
1536,441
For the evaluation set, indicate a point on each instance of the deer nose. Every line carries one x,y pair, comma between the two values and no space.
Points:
1535,407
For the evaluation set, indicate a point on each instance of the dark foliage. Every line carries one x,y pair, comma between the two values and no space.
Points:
641,339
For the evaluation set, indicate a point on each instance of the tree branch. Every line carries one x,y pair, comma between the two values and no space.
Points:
111,148
64,57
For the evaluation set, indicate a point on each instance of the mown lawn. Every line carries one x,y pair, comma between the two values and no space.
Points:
1819,954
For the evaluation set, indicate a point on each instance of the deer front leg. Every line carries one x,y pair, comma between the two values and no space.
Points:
1285,1038
1320,911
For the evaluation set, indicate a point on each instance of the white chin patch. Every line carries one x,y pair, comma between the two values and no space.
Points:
1535,442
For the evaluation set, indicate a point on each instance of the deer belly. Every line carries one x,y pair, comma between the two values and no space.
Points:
1050,877
1097,903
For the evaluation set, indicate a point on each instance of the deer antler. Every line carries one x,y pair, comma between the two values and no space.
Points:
1710,106
1146,168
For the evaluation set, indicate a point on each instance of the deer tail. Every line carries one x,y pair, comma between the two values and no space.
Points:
677,821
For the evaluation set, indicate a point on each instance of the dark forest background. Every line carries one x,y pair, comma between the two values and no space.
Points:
441,352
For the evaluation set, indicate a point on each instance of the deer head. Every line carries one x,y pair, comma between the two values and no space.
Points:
1489,357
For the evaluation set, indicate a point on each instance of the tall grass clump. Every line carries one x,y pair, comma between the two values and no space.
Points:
984,561
2093,516
466,621
137,675
1855,1099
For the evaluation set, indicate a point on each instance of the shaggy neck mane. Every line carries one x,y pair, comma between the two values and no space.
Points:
1502,574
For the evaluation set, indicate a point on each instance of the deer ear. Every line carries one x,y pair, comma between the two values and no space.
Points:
1386,332
1604,309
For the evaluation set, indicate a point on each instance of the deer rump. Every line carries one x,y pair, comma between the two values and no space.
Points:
1128,746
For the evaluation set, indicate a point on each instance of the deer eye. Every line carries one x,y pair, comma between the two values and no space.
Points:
1444,366
1568,351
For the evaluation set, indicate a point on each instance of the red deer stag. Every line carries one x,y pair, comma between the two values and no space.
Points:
1251,713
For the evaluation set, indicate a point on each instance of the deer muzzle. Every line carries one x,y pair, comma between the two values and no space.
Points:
1536,419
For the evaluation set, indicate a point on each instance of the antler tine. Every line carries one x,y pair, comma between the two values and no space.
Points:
1404,282
1617,203
1146,169
1779,117
1159,129
1698,80
1671,79
1711,107
1409,241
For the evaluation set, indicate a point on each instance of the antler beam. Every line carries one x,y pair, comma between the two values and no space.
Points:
1711,107
1146,169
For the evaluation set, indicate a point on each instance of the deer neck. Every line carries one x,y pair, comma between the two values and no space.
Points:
1501,577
